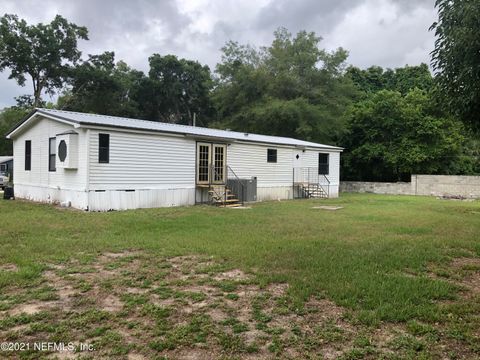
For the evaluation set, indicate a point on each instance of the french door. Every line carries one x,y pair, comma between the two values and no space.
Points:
211,163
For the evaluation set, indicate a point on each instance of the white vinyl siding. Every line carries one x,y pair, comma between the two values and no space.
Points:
310,159
142,161
40,133
248,160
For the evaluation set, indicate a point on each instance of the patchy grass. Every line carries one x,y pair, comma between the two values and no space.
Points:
384,277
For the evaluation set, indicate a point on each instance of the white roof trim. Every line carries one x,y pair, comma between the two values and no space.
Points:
29,119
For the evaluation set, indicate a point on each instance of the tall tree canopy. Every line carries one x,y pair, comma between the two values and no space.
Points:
391,136
403,79
43,52
456,58
291,88
101,86
175,90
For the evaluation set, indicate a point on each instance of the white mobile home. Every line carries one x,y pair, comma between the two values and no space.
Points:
98,163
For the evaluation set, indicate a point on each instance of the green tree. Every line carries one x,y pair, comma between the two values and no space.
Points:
175,90
9,117
456,57
290,88
292,118
43,52
101,86
403,79
391,136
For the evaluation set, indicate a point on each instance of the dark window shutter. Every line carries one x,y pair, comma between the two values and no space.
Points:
28,155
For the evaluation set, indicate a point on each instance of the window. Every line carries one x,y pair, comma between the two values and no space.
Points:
272,155
104,148
52,144
3,168
203,151
62,151
323,164
28,155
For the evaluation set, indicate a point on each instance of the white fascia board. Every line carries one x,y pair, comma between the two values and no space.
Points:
337,149
32,118
129,130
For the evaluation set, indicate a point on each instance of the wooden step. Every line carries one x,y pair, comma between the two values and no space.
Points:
219,191
228,201
232,205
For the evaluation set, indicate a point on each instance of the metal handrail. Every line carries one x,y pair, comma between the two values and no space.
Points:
310,179
241,197
215,174
328,185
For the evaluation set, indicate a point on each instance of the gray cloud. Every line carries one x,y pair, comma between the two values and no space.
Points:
389,33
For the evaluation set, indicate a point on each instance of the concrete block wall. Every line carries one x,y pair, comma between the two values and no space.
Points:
446,185
428,185
399,188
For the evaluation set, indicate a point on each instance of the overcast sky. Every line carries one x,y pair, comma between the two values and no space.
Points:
389,33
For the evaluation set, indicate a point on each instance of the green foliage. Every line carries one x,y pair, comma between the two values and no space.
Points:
8,118
455,57
175,90
291,118
291,88
43,52
100,86
404,79
391,136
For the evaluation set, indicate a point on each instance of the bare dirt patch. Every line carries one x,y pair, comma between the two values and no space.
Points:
469,269
192,307
133,356
29,309
112,303
466,263
463,272
277,289
234,274
9,267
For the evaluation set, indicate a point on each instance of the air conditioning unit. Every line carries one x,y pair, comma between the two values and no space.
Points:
67,150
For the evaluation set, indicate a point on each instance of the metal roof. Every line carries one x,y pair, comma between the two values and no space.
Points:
5,158
120,122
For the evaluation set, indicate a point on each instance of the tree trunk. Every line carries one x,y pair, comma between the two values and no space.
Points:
37,92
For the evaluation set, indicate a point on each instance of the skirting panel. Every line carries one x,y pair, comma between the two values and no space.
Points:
125,199
333,191
150,198
274,193
77,199
286,192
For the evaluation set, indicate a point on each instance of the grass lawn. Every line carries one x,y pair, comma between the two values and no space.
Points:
384,277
